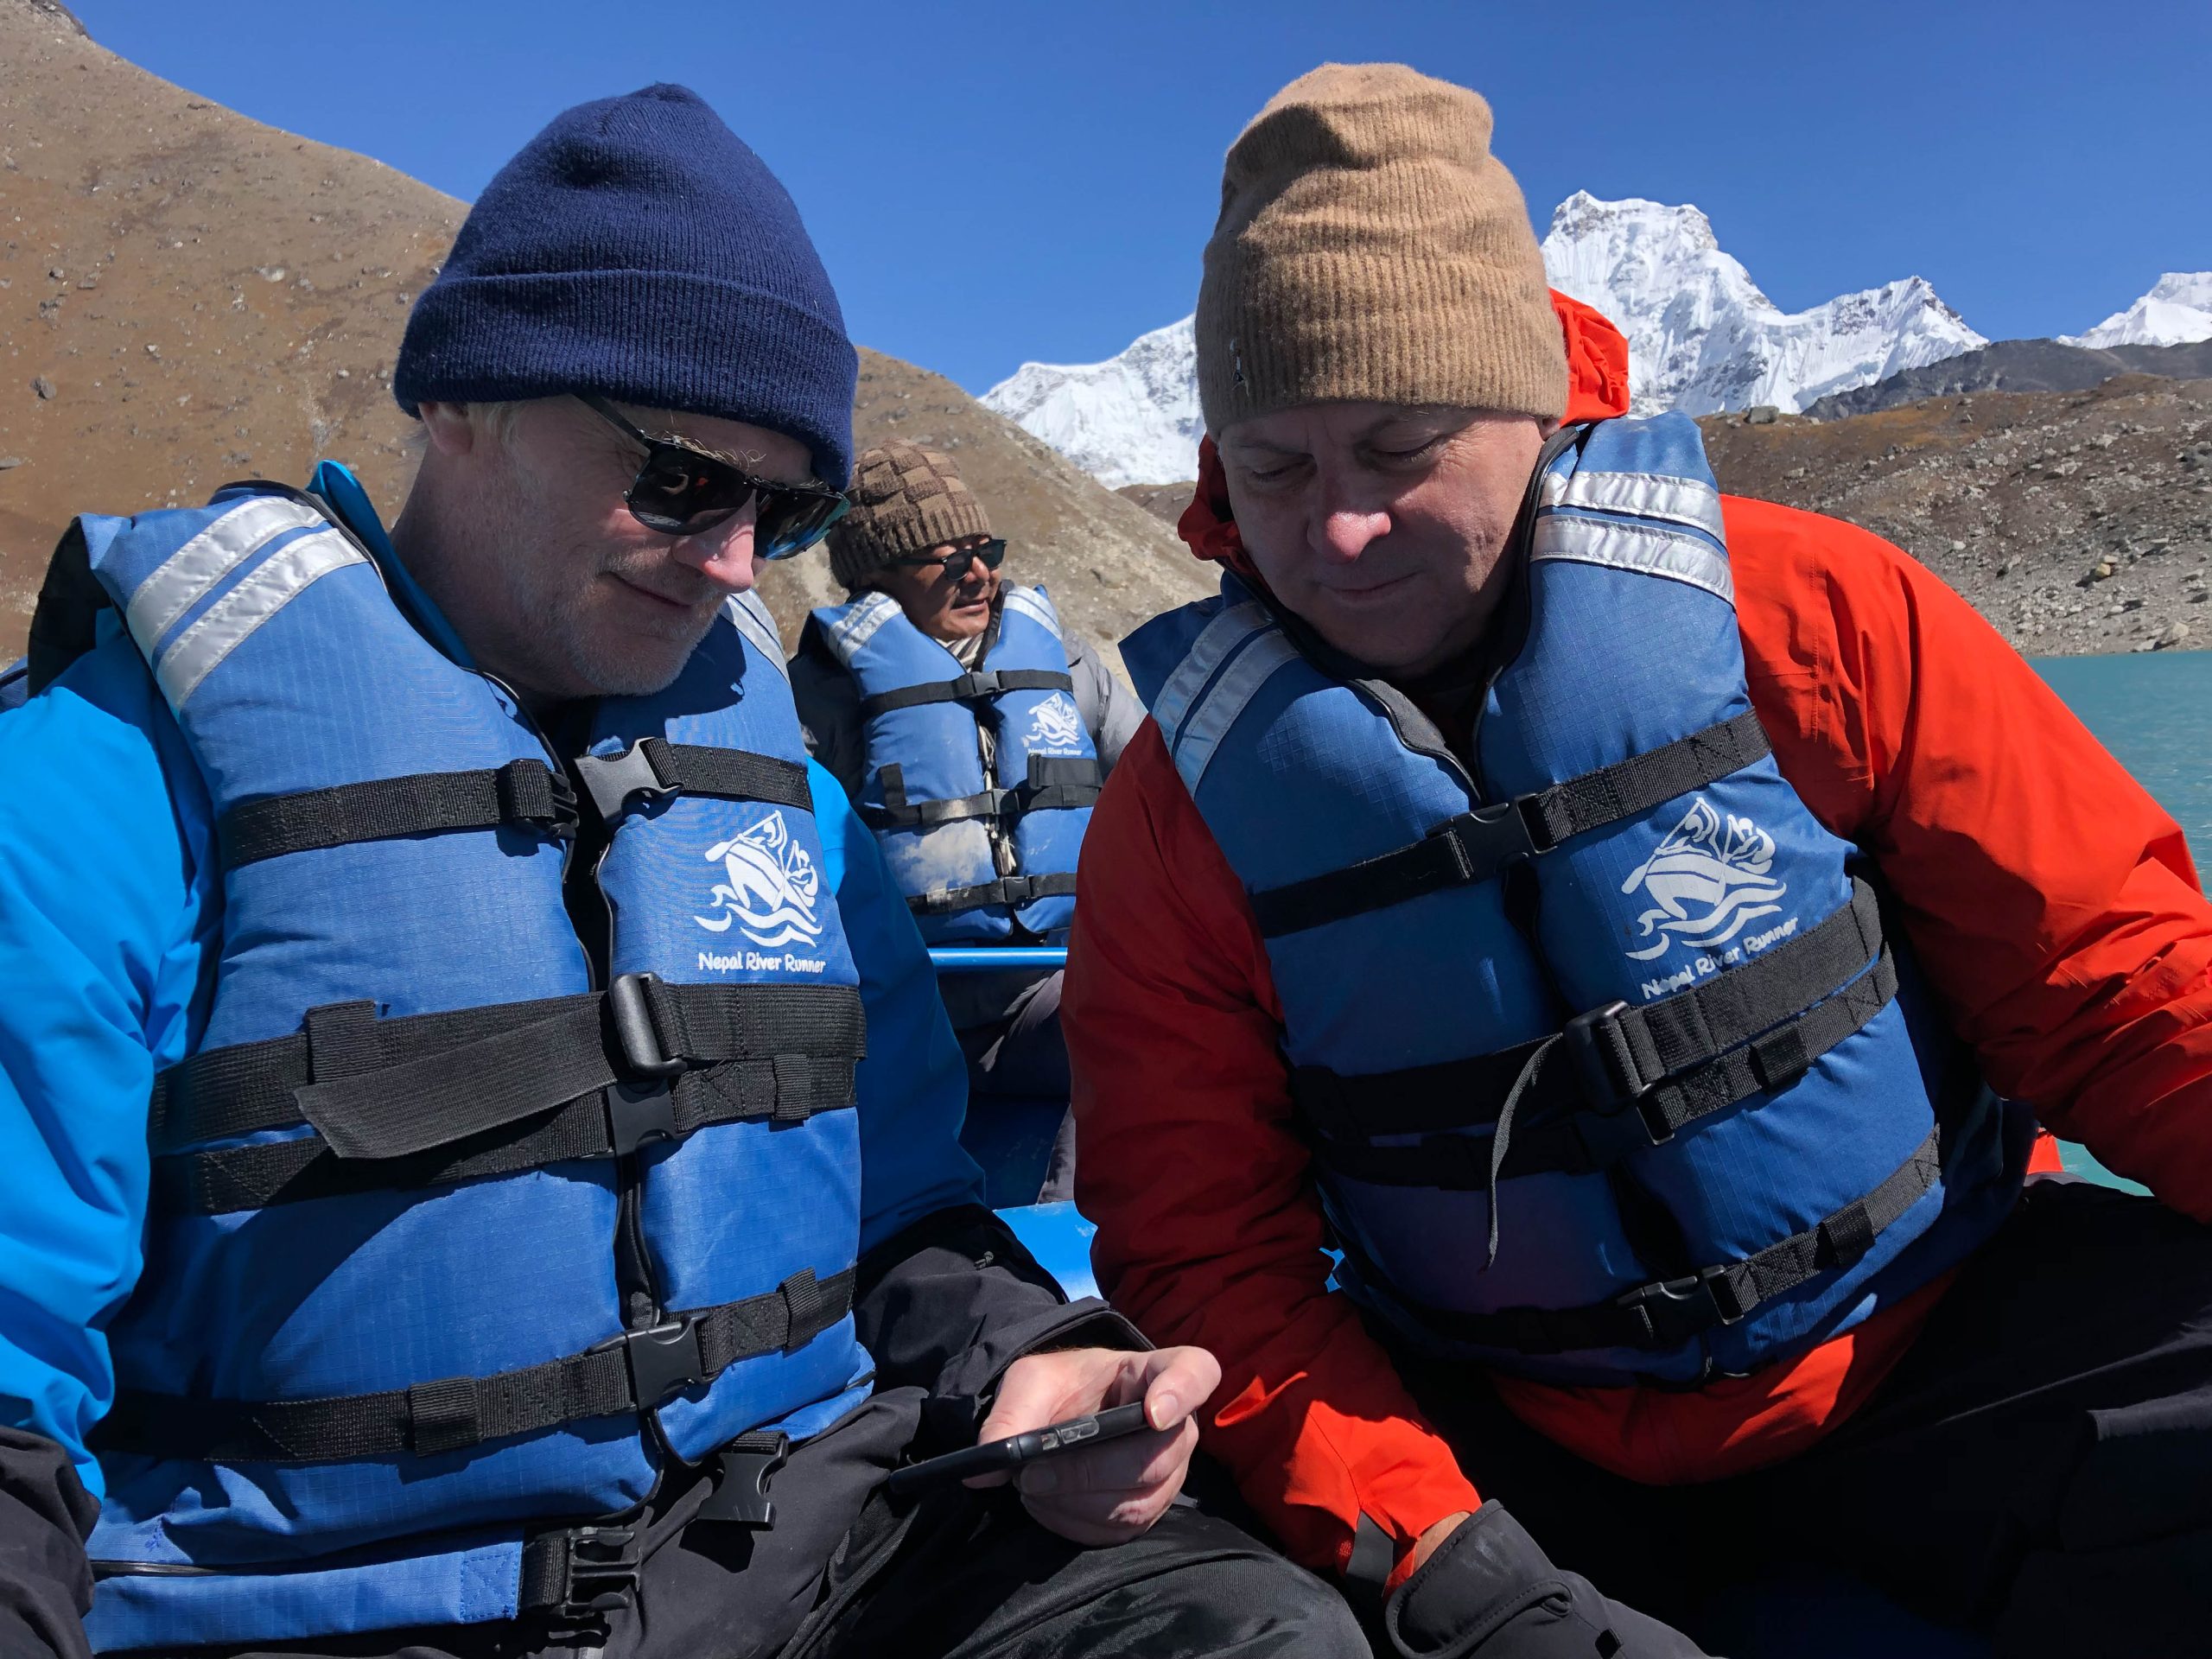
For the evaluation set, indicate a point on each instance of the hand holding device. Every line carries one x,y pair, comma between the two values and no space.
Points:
1104,1491
1015,1450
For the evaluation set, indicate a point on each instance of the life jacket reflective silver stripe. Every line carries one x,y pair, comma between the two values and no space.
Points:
440,1224
938,817
1613,1073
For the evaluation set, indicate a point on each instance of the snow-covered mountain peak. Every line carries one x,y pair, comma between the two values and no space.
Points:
1133,419
1583,216
2176,310
1702,337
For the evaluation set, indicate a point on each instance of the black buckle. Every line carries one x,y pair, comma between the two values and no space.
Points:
1602,1057
628,1000
1490,837
603,1563
1681,1309
740,1495
663,1361
613,779
638,1113
640,1109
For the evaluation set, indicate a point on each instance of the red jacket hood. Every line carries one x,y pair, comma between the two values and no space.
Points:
1596,390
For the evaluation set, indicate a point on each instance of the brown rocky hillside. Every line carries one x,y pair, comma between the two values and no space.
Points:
187,296
2075,521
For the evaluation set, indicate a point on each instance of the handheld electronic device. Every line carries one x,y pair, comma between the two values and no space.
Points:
1017,1449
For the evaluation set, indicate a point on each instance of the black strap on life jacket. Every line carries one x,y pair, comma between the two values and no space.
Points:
1478,844
652,769
1055,783
635,1372
527,795
524,794
1625,1080
1012,890
967,688
432,1099
1668,1313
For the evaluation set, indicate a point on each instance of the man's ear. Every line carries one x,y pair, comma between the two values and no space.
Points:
1545,429
448,428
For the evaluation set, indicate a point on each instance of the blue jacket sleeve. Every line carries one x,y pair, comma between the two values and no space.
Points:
913,1087
103,904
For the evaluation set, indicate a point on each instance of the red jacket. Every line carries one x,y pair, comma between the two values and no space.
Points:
2050,900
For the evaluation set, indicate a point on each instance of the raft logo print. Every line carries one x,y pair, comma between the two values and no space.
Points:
773,892
1058,725
1707,881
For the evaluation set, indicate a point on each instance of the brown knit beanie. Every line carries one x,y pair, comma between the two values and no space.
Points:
1370,248
906,499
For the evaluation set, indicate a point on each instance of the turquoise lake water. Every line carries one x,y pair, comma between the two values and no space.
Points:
2154,711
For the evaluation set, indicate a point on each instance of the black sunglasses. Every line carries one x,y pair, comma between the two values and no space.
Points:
992,553
679,491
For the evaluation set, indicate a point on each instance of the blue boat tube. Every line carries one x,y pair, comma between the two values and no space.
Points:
985,959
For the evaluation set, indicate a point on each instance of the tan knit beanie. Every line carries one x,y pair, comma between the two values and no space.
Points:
1370,248
906,499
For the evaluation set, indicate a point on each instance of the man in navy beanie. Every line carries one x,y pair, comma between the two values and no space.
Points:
482,1131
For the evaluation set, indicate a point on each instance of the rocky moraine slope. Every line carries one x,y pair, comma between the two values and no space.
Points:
2074,521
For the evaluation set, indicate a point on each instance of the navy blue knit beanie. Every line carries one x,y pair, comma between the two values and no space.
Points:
638,248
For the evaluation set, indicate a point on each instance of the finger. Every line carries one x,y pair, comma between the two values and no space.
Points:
1041,1388
1178,1382
1135,1465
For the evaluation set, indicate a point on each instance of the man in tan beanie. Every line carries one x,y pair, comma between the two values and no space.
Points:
1606,914
972,732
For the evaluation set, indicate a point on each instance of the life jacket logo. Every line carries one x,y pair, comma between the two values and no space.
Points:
1058,725
774,892
1708,880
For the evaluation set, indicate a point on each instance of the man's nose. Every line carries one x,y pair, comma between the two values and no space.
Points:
1342,529
723,553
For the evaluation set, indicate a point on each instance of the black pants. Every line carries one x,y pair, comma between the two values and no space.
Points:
2039,1466
1022,1057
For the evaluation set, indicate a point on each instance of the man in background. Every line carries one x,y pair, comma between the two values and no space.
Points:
971,731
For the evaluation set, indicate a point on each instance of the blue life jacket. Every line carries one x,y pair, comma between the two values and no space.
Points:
1612,1074
937,814
457,1236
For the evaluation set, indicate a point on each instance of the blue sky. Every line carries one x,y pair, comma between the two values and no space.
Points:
990,182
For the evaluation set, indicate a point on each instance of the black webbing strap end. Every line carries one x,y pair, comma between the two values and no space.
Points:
644,772
1606,1058
532,796
1781,1056
342,1040
794,1077
813,1306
